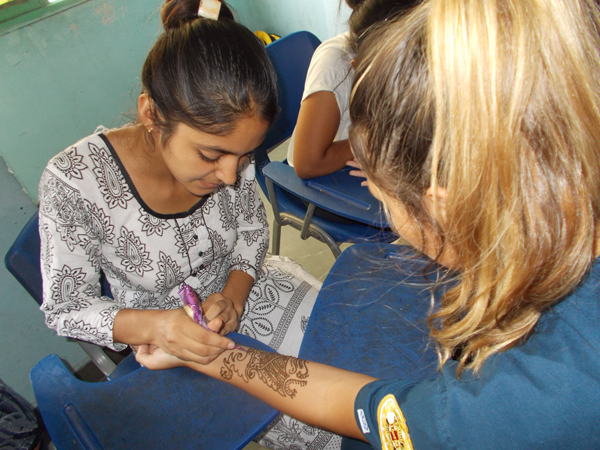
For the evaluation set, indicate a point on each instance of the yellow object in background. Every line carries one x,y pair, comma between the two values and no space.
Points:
265,37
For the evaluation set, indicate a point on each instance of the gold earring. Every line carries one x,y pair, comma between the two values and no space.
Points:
150,130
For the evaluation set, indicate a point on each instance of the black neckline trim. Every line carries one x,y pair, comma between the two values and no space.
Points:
136,194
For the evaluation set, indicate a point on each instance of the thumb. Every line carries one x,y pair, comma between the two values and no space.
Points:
215,324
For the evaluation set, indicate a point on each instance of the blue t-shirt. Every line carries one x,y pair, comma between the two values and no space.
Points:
544,393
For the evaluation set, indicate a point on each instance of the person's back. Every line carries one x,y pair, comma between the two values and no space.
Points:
493,114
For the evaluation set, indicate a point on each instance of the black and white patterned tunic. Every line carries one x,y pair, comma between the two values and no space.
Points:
92,219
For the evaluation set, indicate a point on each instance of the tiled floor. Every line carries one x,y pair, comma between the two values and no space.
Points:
24,337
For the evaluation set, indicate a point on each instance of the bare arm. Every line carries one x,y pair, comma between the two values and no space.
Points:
314,393
315,153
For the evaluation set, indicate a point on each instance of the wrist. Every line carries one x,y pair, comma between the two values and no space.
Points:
237,289
136,327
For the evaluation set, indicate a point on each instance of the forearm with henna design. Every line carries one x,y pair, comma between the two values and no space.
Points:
281,373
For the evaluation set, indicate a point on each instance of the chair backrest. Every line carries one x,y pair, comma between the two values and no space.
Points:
23,261
291,57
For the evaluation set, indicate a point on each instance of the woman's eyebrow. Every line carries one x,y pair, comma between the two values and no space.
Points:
221,150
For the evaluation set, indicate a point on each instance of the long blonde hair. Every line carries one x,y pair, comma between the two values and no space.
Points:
498,102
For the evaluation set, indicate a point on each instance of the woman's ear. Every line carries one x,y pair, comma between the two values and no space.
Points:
439,193
437,200
146,111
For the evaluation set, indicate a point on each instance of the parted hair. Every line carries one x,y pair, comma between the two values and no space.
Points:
207,74
497,102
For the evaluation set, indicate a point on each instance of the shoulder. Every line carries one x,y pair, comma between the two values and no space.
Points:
330,66
335,45
332,52
73,162
82,171
545,390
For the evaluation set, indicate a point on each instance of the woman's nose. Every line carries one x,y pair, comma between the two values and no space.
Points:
227,170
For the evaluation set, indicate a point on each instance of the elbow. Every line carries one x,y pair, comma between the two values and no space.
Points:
307,169
304,172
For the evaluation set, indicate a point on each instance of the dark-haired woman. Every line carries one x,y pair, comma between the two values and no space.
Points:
171,199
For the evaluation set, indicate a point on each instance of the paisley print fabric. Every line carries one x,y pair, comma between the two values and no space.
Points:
92,220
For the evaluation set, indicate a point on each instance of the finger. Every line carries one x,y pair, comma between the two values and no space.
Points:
364,183
358,173
143,358
157,359
215,310
227,326
141,349
205,342
353,163
208,355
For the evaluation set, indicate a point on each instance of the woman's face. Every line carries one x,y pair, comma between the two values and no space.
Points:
201,161
407,227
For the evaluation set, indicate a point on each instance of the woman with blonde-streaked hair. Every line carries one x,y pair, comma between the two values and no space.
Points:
477,123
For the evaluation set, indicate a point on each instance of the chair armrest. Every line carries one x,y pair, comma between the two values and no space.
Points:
338,193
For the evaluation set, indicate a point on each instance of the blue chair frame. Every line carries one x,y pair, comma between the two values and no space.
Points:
338,193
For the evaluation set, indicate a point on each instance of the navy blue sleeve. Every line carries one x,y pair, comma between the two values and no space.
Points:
542,394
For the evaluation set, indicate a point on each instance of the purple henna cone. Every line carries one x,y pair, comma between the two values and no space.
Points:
189,298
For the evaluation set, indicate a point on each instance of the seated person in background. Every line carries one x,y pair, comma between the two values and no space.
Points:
477,123
319,144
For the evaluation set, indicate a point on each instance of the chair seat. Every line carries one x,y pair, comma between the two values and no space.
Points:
339,193
291,57
176,408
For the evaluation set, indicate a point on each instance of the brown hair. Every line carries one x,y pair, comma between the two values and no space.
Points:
207,74
497,102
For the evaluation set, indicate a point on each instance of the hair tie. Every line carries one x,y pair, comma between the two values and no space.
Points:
209,9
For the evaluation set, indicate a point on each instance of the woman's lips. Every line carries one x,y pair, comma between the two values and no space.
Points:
207,185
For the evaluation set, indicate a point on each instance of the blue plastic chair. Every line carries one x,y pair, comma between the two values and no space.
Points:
293,200
23,261
371,313
164,409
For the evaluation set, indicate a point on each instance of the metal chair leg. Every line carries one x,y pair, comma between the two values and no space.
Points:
276,238
98,357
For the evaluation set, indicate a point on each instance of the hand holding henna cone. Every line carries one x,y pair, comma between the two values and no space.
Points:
193,309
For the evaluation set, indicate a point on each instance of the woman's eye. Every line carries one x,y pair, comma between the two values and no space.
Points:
207,159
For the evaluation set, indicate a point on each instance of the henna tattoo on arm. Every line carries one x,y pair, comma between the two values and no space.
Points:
280,373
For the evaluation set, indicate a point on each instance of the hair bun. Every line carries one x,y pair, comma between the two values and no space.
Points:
175,13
